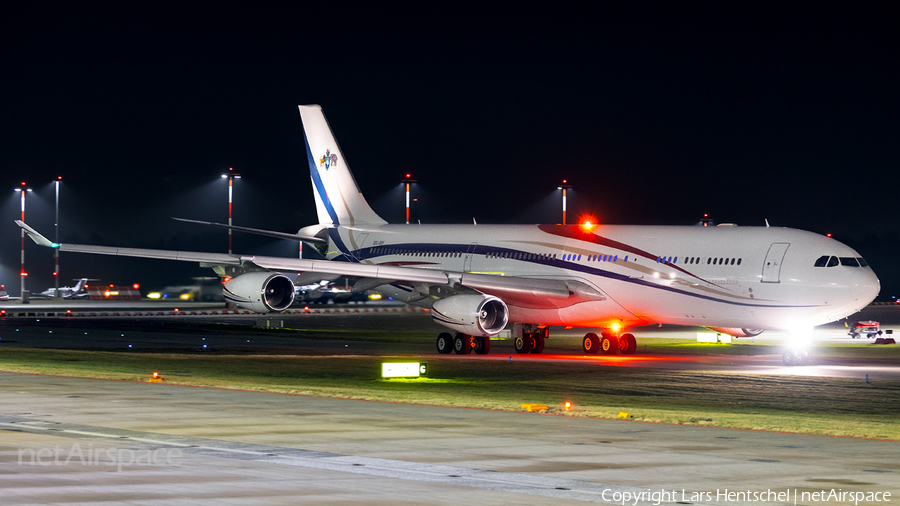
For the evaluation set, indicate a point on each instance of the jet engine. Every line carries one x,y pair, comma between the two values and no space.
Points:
737,332
474,315
263,292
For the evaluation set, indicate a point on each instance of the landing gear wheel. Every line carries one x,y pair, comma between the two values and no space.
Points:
444,343
795,357
482,345
608,344
591,343
523,344
537,343
462,344
627,344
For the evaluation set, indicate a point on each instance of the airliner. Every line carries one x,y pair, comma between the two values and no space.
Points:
477,279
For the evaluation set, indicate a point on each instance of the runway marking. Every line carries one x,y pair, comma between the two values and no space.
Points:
532,484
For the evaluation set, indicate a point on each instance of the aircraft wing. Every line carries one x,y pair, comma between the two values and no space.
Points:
527,292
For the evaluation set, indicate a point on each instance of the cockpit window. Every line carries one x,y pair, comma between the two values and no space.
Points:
826,261
849,262
862,262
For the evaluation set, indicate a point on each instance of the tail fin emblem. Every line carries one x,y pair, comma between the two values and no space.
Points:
328,160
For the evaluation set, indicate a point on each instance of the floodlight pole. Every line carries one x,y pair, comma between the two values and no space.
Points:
56,240
565,186
407,181
22,273
231,175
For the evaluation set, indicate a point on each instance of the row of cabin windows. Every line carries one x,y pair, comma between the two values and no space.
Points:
518,255
698,260
830,261
404,251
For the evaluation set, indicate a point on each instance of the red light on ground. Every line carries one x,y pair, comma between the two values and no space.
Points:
23,274
176,309
568,405
55,273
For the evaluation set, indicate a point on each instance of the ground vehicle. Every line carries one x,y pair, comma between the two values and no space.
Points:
869,328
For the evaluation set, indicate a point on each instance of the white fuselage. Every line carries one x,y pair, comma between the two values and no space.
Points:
726,276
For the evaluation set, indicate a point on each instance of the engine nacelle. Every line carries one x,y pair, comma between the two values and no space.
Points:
263,292
737,332
474,315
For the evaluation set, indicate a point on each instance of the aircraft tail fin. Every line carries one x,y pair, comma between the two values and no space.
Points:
338,199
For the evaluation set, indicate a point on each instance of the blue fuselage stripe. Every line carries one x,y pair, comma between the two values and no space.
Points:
368,253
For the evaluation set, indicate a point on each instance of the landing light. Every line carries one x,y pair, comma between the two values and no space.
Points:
185,296
154,295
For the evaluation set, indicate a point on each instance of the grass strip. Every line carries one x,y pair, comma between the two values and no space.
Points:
813,405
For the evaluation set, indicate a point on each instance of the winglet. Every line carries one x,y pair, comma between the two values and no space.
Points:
35,236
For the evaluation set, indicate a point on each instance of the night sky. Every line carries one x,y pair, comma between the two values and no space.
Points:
654,116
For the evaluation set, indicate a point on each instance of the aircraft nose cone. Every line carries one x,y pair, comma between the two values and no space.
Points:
865,286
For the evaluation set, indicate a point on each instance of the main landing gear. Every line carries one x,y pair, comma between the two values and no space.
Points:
463,344
608,343
530,339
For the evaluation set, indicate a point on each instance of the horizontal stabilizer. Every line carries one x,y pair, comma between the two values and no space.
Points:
257,231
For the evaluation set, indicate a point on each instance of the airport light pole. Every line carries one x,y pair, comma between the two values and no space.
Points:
408,181
22,274
564,186
56,240
231,175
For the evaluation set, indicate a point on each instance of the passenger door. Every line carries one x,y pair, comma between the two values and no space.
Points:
771,272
